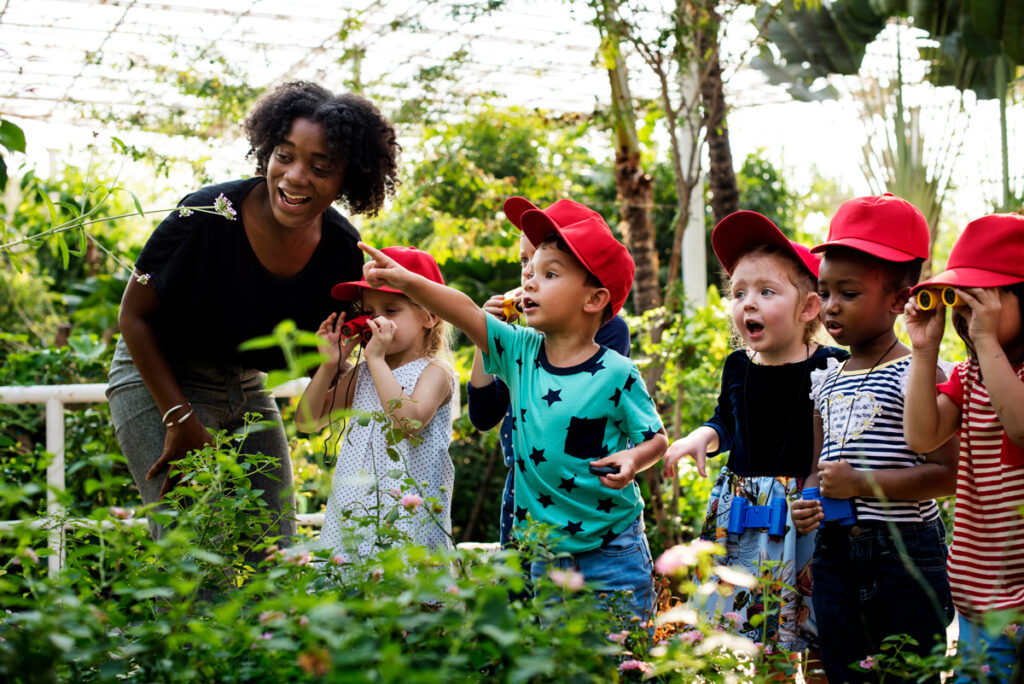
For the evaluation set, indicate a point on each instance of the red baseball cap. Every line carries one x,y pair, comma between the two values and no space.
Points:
411,258
587,235
564,212
741,231
989,253
888,227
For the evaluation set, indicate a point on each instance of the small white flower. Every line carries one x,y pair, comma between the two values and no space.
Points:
185,212
142,278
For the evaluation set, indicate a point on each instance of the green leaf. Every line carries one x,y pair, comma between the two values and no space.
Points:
135,200
72,209
504,637
62,641
65,254
265,342
49,205
11,136
394,474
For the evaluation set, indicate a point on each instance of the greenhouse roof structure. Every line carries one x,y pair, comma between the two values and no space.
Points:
88,60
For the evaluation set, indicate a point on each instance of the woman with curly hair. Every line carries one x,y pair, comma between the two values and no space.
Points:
206,282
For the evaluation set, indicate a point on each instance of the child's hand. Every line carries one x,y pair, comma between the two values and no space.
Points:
627,469
839,479
924,327
382,270
493,306
383,332
330,334
985,305
807,515
691,446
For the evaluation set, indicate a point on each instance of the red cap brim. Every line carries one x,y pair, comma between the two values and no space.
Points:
965,276
740,231
514,209
873,248
352,291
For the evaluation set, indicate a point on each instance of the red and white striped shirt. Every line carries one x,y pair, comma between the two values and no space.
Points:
986,561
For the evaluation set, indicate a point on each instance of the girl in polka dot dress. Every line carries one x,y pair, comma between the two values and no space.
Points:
406,372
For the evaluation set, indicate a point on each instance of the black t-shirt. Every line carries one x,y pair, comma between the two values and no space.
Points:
764,417
214,293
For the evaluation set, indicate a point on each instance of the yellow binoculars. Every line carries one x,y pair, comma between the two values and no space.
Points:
510,306
928,299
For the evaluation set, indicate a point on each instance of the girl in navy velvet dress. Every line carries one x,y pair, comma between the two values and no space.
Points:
763,419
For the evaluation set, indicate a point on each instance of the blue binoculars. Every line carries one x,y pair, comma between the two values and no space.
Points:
836,510
743,515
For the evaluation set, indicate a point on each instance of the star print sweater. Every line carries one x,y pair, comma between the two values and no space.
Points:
564,419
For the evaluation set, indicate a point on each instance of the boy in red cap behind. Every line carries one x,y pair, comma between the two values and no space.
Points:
879,566
983,401
578,406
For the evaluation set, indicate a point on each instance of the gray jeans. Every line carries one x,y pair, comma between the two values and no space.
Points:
220,397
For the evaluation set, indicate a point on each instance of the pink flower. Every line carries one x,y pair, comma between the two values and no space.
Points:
411,502
619,637
985,669
304,621
868,663
396,493
691,636
120,513
636,665
1011,629
682,556
734,619
452,589
338,559
266,636
29,554
567,579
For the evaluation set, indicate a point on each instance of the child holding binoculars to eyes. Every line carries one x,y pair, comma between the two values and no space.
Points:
983,401
407,358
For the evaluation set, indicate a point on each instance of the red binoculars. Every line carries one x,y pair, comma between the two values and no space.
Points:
357,327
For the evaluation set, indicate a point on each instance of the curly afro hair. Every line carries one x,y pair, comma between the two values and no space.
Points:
359,137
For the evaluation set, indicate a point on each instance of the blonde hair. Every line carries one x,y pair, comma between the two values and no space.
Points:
438,345
796,273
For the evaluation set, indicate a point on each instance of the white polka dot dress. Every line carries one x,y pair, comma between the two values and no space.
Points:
364,489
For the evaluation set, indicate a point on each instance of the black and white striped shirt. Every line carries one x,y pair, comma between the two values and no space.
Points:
862,421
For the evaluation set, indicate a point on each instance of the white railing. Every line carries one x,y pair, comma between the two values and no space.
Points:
55,397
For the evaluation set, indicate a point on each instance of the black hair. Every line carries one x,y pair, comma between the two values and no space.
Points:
960,324
359,139
895,275
591,280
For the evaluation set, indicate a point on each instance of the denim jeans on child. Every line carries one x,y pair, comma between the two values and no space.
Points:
622,565
977,647
865,590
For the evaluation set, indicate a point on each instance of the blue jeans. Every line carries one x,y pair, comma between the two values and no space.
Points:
999,653
622,568
866,589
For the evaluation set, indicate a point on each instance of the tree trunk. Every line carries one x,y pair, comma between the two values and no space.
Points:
632,185
721,176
